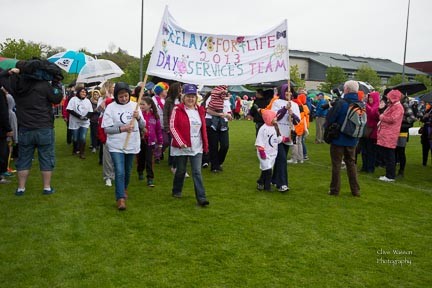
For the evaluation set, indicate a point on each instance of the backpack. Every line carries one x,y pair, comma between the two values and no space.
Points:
354,124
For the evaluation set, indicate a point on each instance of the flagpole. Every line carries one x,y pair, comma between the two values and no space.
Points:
136,109
406,38
141,49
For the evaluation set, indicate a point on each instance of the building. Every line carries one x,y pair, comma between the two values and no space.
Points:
425,66
313,66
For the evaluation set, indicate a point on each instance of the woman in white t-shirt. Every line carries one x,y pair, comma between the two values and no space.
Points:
117,122
80,109
189,141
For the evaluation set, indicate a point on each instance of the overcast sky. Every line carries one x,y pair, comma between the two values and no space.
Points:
372,28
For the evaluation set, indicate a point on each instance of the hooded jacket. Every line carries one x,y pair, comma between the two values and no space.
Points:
373,114
390,121
180,127
34,100
303,125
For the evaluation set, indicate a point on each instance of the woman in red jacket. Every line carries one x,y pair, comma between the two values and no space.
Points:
189,141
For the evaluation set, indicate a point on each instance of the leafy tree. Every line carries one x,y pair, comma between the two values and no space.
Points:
366,74
19,49
295,76
394,80
425,80
334,77
132,71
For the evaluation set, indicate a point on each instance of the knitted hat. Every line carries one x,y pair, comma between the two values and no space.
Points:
159,87
268,116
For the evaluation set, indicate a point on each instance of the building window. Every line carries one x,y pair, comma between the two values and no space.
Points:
303,76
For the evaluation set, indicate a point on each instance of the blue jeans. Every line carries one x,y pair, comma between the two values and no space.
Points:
122,170
304,146
179,176
79,135
40,139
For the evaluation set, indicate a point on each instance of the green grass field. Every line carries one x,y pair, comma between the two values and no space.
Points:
245,238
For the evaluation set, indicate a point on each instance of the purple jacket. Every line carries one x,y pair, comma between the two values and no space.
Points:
153,133
390,122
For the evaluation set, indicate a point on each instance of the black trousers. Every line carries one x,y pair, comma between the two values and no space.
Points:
218,147
145,159
389,157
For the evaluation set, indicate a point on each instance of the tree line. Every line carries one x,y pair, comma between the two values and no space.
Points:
22,50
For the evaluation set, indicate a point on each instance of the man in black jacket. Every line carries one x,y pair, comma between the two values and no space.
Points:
34,99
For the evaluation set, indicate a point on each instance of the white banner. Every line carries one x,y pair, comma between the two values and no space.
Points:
219,59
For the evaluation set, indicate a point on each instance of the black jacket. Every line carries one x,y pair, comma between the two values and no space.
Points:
34,100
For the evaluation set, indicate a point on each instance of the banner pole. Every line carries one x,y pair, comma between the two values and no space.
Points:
136,109
289,90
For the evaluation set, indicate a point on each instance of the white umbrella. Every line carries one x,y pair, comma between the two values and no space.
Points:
99,71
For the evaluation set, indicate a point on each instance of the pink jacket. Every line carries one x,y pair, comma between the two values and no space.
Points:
390,121
373,114
153,133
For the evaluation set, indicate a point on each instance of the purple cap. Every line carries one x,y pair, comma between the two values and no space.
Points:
189,89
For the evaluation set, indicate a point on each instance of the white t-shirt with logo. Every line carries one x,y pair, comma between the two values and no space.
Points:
117,115
285,125
82,107
195,133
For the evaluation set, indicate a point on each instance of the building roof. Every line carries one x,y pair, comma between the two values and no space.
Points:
347,62
425,66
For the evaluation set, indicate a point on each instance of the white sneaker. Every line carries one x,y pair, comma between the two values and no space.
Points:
94,150
385,179
108,182
301,161
291,161
187,175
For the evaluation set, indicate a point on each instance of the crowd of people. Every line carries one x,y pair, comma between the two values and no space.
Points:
172,122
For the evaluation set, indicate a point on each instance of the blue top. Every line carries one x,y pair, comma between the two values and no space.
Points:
320,112
337,114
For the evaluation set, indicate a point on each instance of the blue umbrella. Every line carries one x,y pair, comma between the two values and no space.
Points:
71,61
